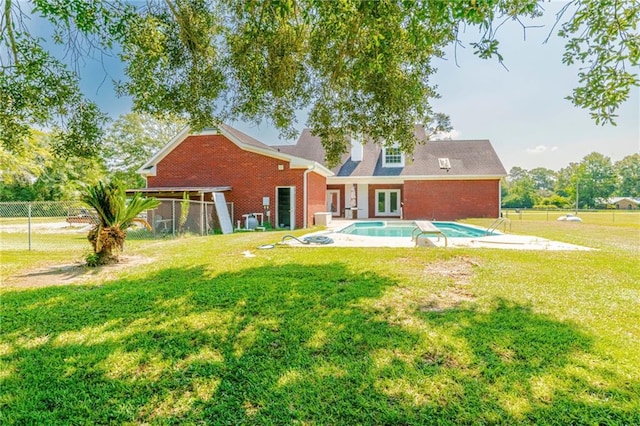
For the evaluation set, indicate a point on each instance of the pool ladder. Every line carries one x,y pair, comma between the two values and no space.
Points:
496,223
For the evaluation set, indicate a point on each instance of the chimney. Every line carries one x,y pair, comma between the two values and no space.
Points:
356,147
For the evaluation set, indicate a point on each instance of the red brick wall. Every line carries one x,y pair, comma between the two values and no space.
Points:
450,199
317,196
213,160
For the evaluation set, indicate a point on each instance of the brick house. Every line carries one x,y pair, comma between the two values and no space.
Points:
247,172
443,180
624,203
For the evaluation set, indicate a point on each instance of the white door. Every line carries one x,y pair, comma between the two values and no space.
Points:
333,201
388,202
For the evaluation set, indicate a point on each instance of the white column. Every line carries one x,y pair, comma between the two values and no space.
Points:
363,201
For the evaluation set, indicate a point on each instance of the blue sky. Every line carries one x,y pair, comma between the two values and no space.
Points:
522,111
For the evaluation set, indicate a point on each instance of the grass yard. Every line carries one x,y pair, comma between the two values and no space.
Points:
329,335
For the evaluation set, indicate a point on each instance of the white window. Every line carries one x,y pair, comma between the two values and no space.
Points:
392,157
387,202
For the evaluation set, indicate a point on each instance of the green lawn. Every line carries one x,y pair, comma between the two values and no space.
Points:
332,335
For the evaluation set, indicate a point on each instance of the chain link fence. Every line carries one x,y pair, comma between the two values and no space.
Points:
45,226
605,216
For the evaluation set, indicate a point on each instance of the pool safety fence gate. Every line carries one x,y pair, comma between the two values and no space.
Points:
64,225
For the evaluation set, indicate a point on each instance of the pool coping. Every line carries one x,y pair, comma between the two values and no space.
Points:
500,241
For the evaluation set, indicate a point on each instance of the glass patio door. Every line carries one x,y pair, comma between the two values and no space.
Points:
388,202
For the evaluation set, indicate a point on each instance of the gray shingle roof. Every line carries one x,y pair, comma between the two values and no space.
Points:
467,158
244,138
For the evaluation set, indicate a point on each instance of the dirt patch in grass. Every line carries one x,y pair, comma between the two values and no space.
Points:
460,271
72,273
447,299
401,303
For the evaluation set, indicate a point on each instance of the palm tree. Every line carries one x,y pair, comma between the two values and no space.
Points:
115,216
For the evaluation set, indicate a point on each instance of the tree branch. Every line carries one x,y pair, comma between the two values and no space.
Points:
9,25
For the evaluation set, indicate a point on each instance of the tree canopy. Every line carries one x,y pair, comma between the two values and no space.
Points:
131,140
590,183
357,66
36,173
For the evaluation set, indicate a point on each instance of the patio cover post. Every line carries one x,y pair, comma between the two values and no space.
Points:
201,213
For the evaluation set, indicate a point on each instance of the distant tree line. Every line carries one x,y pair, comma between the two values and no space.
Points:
37,172
590,183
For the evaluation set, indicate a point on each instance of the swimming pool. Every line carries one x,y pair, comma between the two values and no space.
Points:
405,228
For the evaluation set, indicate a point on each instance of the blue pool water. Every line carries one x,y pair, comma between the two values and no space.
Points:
404,229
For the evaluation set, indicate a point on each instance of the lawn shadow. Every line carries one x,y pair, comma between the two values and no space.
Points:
285,344
527,367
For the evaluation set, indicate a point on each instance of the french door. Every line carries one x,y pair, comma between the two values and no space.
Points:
388,202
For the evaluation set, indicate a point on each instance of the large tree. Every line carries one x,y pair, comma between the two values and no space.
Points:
544,178
566,180
40,90
357,65
37,173
595,180
20,169
131,140
628,171
520,189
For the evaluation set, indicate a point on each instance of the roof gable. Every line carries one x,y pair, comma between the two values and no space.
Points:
240,139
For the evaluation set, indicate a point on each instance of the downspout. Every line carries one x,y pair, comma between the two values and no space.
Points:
305,190
500,198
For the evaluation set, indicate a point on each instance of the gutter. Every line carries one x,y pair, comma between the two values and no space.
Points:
305,195
338,180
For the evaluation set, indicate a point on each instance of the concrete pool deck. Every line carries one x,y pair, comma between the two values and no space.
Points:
502,241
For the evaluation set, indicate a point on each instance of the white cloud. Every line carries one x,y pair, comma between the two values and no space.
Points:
541,148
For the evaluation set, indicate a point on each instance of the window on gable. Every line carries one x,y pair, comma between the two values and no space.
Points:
392,157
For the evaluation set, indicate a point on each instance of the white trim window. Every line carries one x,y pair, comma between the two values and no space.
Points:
388,202
392,157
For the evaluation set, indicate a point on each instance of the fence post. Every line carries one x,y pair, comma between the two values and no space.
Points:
29,224
201,215
173,218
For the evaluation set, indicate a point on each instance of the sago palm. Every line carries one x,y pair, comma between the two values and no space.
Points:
115,216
